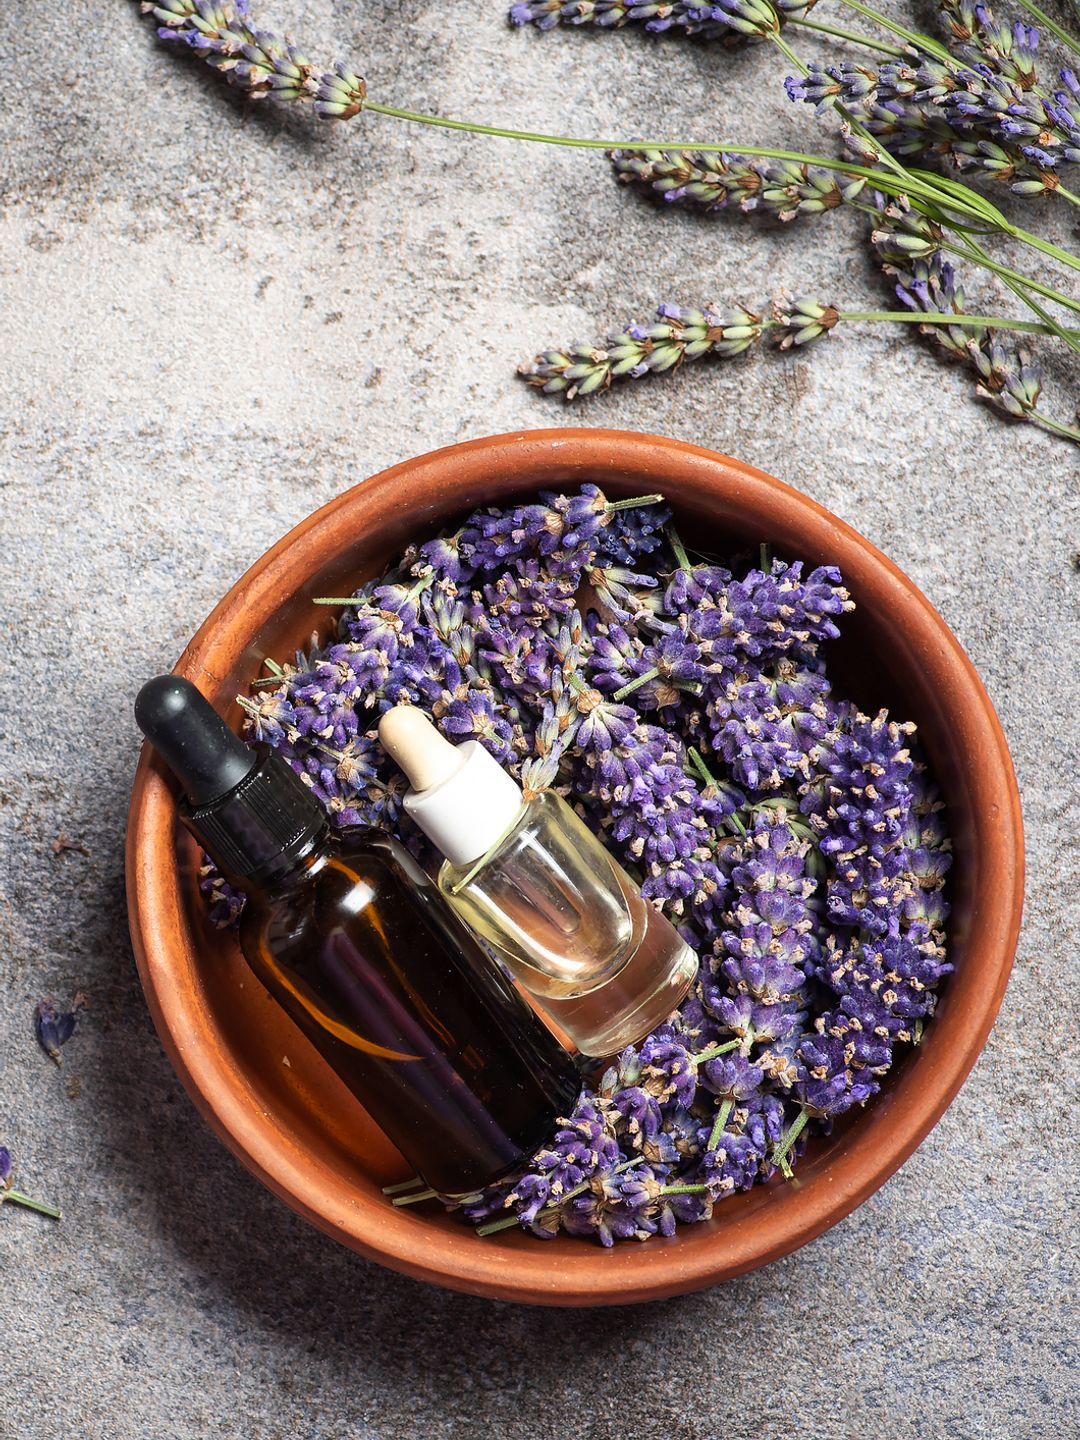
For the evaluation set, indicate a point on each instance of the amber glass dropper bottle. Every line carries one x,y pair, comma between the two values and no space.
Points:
348,933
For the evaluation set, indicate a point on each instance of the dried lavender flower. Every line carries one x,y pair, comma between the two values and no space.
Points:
677,336
801,322
55,1027
730,22
712,180
795,841
223,34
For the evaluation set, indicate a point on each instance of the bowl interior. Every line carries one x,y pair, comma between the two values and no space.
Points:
278,1104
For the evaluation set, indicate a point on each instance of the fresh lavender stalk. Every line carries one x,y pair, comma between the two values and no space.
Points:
687,17
223,34
676,336
910,250
984,108
711,181
678,15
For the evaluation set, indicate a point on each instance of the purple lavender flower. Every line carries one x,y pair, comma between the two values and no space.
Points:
843,1061
983,107
54,1027
613,1207
731,1077
734,1164
224,903
677,336
894,979
223,34
795,841
632,534
667,1070
711,181
474,716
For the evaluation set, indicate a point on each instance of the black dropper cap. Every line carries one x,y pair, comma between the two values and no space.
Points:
250,811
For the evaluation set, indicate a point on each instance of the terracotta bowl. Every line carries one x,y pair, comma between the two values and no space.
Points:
274,1102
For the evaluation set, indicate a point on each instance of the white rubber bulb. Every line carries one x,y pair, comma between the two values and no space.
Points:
409,738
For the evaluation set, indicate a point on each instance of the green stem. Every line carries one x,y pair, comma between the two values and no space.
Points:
414,1199
16,1197
695,757
494,1226
902,182
1020,290
1007,274
1066,194
635,684
1055,29
913,37
1045,247
782,45
850,36
679,550
934,317
780,1154
634,503
882,179
721,1120
713,1051
340,600
682,1190
1055,426
402,1186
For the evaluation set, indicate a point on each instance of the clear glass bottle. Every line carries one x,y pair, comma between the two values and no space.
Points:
538,887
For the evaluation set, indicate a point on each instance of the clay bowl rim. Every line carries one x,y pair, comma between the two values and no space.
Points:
519,1268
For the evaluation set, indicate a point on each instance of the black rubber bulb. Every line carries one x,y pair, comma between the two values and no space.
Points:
206,756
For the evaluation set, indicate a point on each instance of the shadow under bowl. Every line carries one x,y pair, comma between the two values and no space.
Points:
277,1105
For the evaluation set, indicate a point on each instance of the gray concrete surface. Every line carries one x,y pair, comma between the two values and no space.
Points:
214,319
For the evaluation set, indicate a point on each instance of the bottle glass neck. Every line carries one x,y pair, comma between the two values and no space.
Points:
292,869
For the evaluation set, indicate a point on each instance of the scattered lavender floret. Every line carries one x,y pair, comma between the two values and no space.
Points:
54,1027
686,710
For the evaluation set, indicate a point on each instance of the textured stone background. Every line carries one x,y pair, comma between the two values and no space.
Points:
213,320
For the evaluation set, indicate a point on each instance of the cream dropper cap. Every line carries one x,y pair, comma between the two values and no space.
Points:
460,796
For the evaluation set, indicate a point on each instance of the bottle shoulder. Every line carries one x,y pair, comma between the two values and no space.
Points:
544,816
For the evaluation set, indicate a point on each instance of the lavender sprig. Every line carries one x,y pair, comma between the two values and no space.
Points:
910,249
711,182
679,336
982,107
8,1193
686,17
223,34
